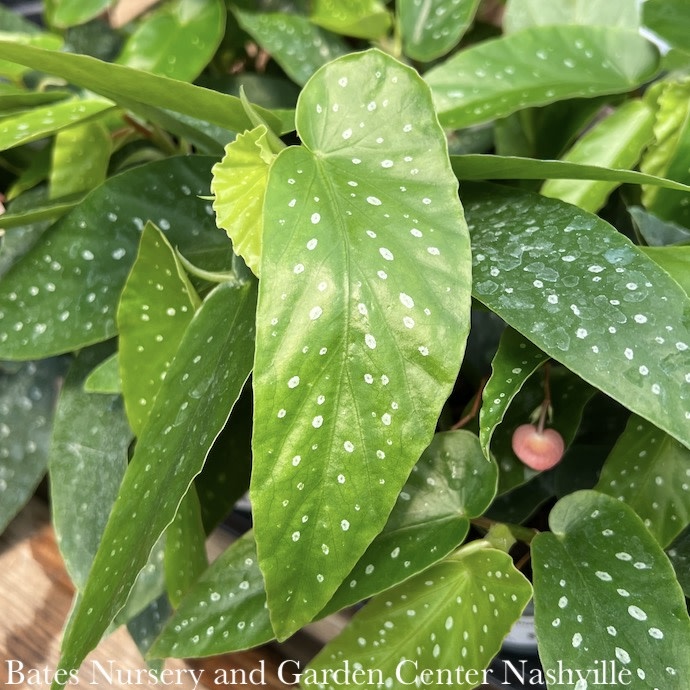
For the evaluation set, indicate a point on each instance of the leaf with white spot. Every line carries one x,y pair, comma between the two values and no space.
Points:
155,308
176,40
650,471
617,141
27,400
105,377
296,44
239,188
431,28
229,600
63,294
451,483
170,452
359,18
363,315
622,323
522,14
88,458
604,592
537,66
515,361
455,614
48,119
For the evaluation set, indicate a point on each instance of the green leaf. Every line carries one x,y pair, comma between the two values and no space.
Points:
656,232
437,620
80,159
88,458
522,14
9,68
604,590
13,97
65,13
611,328
11,20
431,28
27,400
451,483
155,308
105,377
45,307
177,40
185,549
614,142
297,45
170,452
127,85
650,471
239,187
229,599
359,18
679,555
363,315
515,361
40,212
675,261
48,119
668,19
147,625
538,66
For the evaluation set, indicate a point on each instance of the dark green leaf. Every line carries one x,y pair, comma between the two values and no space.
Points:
146,626
668,19
656,232
679,554
49,211
12,97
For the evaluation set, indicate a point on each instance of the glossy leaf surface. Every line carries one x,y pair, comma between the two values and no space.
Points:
538,66
169,454
65,13
582,293
360,18
593,599
650,471
675,261
363,313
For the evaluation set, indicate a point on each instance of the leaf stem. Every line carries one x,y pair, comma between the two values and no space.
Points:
521,533
475,407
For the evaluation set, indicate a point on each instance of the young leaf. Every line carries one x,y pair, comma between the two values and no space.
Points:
66,13
177,40
155,308
650,471
104,378
239,188
359,18
515,361
169,454
522,14
432,28
363,315
452,617
593,602
614,142
533,253
27,400
538,66
88,458
45,306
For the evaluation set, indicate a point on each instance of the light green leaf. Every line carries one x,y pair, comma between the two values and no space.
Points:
296,44
48,119
650,471
177,40
476,166
155,308
126,85
604,590
9,68
65,13
437,620
614,142
45,307
363,315
522,14
80,159
239,187
359,18
431,28
515,361
27,400
104,378
611,328
675,261
538,66
88,458
668,19
167,457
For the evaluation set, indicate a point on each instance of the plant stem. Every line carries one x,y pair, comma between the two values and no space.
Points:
546,403
475,407
523,534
